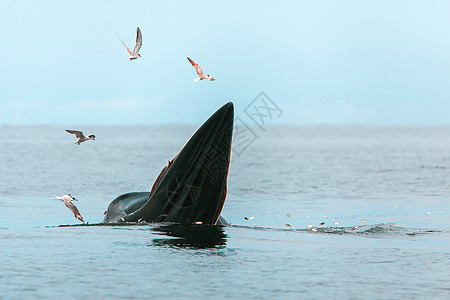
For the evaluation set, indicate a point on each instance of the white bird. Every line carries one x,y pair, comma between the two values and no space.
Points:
134,54
81,137
67,199
200,73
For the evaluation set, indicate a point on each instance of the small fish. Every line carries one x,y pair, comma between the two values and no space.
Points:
249,218
198,222
355,227
288,215
364,221
336,223
309,226
314,229
322,223
288,225
391,223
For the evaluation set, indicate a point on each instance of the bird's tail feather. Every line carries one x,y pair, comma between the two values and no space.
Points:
196,79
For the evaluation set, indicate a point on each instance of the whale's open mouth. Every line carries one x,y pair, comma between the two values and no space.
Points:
193,187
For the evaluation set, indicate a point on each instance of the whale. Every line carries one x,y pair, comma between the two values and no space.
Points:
192,188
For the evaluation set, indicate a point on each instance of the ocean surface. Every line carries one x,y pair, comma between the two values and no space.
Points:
316,212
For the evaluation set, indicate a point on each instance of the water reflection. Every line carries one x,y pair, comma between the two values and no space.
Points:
191,236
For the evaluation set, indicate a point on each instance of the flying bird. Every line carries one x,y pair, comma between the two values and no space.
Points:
67,199
200,73
134,54
81,137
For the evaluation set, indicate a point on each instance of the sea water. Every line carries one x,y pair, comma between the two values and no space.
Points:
316,212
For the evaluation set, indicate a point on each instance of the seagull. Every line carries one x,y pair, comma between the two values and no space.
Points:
134,54
80,136
200,72
67,199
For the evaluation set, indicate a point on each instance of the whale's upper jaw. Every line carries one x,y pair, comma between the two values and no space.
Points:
193,188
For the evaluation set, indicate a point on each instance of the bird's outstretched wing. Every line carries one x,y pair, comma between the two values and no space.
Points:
77,133
138,42
197,67
128,49
193,63
75,211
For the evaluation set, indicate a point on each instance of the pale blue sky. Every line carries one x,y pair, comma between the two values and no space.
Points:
337,62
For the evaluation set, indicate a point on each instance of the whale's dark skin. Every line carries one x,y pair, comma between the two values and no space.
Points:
130,202
192,188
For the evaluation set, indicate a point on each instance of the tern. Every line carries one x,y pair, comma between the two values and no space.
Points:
80,136
200,73
134,54
67,199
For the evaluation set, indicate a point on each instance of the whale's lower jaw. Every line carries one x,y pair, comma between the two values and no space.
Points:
193,187
124,205
130,202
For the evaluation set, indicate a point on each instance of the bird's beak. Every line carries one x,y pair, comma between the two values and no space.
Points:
74,199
